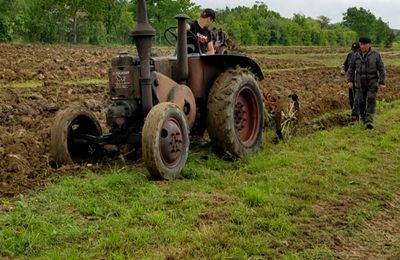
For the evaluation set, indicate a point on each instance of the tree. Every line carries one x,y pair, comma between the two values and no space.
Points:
300,19
275,31
77,11
360,20
390,39
12,19
47,21
324,21
382,31
365,23
161,13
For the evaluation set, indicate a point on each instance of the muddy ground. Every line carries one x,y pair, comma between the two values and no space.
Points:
26,113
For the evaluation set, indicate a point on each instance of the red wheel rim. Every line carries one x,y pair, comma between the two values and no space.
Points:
171,142
247,116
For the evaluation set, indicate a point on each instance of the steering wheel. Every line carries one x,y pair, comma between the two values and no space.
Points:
171,36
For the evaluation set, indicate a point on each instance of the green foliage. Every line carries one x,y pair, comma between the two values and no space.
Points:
260,26
5,29
47,21
12,19
365,23
111,21
161,14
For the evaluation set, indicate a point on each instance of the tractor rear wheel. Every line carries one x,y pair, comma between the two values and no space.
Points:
165,141
67,145
235,112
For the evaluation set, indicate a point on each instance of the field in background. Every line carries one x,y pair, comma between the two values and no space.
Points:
321,195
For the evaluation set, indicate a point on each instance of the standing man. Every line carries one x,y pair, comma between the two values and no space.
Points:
345,67
199,35
367,71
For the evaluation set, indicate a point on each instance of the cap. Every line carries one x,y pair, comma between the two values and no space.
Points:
364,39
208,12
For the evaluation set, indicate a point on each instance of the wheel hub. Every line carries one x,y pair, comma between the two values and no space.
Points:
246,115
240,116
171,142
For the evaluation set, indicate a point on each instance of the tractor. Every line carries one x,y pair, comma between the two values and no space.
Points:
158,103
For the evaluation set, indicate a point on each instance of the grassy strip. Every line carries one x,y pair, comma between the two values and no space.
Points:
26,84
331,60
38,84
290,200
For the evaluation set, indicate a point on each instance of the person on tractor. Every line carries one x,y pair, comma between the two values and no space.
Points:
199,36
221,36
214,35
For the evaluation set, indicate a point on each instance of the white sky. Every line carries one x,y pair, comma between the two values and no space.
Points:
388,10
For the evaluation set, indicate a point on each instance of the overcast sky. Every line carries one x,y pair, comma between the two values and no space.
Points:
388,10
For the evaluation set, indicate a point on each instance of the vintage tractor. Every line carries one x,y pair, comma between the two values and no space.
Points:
158,102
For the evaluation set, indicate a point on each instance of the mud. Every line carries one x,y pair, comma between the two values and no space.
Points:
26,114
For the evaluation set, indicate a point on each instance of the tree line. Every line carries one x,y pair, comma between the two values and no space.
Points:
111,22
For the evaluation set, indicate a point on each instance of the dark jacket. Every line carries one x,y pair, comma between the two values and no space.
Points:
365,69
198,37
347,61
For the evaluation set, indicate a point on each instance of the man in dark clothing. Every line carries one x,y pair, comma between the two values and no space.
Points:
367,71
214,35
199,36
222,36
354,48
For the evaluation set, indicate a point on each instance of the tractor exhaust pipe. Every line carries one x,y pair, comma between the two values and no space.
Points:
142,35
181,69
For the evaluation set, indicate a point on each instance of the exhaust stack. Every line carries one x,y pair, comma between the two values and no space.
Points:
181,69
142,35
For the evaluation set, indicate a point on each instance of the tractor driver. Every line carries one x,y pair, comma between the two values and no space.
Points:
202,43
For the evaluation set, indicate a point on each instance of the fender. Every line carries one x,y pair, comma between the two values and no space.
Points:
231,61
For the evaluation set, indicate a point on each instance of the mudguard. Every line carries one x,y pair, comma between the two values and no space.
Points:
231,61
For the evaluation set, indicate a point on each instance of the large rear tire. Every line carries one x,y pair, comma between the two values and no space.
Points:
235,112
165,141
66,144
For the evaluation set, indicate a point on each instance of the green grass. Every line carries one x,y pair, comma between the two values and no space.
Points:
329,60
86,81
26,84
38,84
287,201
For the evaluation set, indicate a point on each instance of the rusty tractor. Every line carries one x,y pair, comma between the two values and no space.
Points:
157,103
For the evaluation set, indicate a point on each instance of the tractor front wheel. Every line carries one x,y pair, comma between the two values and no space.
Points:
68,142
165,141
235,112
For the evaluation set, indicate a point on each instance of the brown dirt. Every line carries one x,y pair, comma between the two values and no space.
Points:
26,114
